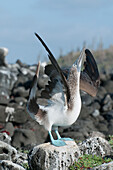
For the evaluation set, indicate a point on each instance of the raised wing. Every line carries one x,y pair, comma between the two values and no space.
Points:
57,77
89,78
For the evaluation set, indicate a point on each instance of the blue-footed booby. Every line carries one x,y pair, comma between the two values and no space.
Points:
62,93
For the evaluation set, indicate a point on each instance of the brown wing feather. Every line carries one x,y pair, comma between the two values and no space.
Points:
57,67
32,106
89,78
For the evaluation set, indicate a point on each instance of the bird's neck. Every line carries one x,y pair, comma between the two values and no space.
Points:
73,82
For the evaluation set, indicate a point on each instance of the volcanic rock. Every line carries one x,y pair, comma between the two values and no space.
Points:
5,138
109,86
107,103
95,146
23,137
49,157
3,53
9,165
7,152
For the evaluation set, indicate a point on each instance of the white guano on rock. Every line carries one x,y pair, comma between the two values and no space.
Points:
49,157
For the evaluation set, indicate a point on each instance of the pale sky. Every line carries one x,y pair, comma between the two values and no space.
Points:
63,24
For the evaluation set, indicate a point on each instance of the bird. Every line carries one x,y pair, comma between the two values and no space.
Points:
62,92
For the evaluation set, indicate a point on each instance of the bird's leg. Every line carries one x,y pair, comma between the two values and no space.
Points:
59,137
57,142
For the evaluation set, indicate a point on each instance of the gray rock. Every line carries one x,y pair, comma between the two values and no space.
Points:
5,138
96,134
7,81
110,127
39,131
4,100
26,71
101,93
95,146
7,152
108,115
80,129
96,113
19,115
95,105
3,53
109,86
20,91
20,100
23,137
49,157
105,166
103,127
3,114
8,165
86,99
107,103
9,128
42,81
21,158
85,111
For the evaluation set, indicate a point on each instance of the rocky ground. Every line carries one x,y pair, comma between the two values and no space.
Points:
23,132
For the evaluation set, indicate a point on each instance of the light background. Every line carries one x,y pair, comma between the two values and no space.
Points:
64,25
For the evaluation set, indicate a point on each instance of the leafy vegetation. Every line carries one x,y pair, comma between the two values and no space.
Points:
89,161
26,166
111,140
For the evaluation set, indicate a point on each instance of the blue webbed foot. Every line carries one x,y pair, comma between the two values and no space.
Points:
67,139
58,142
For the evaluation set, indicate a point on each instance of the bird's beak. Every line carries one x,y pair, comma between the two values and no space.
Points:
78,62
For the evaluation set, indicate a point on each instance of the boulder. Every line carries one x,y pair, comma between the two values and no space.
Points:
95,113
20,100
95,146
107,103
42,81
96,134
9,129
85,111
101,93
3,114
110,127
109,86
21,158
49,157
3,53
105,166
16,114
19,116
7,152
7,81
39,131
9,165
23,137
20,91
5,137
86,99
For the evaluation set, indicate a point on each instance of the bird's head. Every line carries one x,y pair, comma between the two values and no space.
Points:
78,63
